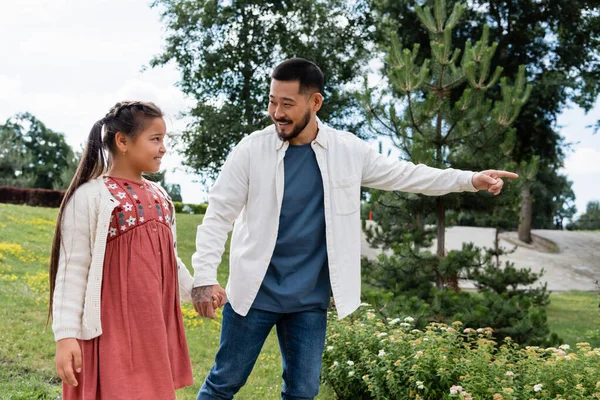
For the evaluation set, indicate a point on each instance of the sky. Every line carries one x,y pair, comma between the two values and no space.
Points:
68,61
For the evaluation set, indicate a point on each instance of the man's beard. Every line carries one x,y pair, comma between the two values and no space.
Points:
299,128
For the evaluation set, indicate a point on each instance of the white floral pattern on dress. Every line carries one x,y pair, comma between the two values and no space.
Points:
133,209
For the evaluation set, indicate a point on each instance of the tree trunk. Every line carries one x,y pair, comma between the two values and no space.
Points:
441,237
526,215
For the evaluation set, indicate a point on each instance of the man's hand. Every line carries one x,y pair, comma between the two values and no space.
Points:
207,299
491,180
68,360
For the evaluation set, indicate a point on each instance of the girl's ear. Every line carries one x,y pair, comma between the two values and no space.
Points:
122,142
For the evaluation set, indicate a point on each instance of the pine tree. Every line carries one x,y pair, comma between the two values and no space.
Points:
438,112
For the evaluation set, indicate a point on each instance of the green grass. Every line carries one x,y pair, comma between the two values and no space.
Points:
575,317
27,350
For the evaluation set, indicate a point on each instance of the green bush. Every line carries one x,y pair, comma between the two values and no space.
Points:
182,208
368,357
405,284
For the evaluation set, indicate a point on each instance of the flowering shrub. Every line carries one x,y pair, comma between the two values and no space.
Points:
370,358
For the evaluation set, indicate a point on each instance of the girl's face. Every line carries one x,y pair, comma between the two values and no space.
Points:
145,152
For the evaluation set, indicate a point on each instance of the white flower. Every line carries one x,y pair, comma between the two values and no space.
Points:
381,334
455,389
351,373
128,206
121,195
329,348
350,363
419,355
537,387
409,319
335,364
113,232
131,220
420,385
381,353
365,305
394,321
479,330
404,324
509,373
564,347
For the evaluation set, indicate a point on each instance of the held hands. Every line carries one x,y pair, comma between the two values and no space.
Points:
491,180
207,299
68,360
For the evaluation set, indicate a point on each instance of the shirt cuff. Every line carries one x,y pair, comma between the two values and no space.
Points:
467,181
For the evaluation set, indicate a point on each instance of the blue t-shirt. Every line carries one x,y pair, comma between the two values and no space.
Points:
298,276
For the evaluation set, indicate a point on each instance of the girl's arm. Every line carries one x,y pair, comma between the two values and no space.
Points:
73,266
186,282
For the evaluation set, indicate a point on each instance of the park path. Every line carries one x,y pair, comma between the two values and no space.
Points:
576,266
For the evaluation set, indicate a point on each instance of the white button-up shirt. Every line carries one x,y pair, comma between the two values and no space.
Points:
249,192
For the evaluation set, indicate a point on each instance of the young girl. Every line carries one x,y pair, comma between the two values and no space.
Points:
114,270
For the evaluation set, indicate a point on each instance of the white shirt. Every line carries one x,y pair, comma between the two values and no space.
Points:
249,192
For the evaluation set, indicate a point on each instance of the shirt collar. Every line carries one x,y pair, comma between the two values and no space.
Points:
321,138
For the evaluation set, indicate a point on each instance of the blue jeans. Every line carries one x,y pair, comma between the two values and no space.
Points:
301,340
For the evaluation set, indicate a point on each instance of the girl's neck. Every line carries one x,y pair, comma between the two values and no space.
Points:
121,170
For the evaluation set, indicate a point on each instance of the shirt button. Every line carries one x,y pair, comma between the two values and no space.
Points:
149,205
153,229
267,260
141,186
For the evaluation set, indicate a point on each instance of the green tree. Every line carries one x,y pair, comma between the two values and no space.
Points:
41,155
590,219
14,160
430,123
443,111
559,43
225,52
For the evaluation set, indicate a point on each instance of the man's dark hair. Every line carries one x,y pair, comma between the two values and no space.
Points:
298,69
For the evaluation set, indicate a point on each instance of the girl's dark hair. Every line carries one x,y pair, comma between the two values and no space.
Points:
127,117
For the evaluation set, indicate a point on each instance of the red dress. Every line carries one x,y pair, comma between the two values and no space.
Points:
142,353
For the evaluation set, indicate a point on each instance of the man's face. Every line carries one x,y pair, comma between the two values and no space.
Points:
289,109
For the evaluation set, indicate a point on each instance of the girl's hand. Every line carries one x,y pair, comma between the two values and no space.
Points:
68,359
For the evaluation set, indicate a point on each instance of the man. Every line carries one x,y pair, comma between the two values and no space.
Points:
293,190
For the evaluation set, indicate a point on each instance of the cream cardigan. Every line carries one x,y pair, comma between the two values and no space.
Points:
86,218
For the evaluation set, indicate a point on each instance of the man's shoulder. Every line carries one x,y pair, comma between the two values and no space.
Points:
338,137
261,135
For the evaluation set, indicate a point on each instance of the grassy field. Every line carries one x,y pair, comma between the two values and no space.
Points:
27,350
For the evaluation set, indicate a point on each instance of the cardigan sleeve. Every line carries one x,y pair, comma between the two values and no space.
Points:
75,255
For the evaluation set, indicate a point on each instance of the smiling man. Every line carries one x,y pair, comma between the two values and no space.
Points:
293,190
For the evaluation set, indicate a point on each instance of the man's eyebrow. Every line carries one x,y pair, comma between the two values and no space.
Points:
283,98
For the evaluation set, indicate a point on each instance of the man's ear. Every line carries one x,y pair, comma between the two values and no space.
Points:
316,101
